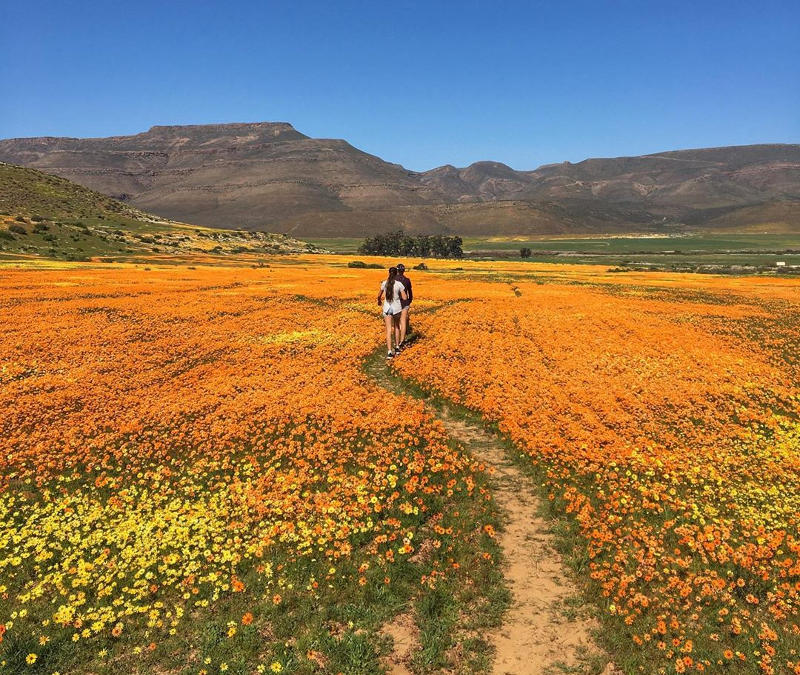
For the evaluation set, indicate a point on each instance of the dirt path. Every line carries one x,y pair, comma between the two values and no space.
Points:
541,634
538,635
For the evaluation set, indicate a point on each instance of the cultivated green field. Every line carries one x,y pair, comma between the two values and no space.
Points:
682,252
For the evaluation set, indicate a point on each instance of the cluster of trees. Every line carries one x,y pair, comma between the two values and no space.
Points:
420,246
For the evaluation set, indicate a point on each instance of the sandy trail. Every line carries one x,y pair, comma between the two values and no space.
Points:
539,635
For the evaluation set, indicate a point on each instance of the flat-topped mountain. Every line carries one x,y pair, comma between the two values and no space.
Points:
267,175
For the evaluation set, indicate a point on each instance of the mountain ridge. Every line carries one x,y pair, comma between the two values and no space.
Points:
258,175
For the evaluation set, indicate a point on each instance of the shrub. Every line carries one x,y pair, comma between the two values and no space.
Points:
524,252
18,229
421,266
40,227
5,234
360,265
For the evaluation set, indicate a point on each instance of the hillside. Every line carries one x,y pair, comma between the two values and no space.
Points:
42,214
232,175
270,176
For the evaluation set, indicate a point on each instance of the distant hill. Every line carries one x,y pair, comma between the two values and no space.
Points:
42,214
270,176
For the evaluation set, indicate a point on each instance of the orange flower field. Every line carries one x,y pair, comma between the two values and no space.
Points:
662,413
173,439
195,469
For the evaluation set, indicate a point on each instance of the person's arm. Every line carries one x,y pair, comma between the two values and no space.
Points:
410,292
380,295
403,295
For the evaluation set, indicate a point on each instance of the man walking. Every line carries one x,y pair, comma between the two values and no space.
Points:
404,304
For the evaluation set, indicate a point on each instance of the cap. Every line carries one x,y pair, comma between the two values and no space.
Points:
401,267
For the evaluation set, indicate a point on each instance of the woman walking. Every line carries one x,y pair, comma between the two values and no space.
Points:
392,295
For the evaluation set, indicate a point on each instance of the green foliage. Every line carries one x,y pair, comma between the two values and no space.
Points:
17,229
361,265
422,245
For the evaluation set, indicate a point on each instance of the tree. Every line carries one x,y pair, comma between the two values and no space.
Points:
401,244
525,252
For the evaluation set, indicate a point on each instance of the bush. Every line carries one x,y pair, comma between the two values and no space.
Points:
421,266
524,252
18,229
40,227
20,219
5,234
360,265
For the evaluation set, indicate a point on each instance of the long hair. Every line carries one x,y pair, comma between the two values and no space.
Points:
389,290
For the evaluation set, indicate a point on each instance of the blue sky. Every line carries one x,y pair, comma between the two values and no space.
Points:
418,83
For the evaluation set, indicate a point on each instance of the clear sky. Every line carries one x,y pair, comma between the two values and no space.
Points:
419,83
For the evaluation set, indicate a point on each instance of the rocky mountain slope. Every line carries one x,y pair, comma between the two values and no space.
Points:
46,215
270,176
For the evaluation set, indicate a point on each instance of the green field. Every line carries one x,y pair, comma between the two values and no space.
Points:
678,252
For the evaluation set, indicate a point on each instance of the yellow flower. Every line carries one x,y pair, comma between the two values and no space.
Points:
276,667
30,659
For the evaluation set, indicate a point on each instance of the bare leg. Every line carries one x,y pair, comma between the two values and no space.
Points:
403,324
397,323
389,321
